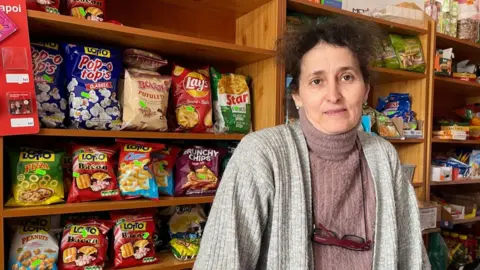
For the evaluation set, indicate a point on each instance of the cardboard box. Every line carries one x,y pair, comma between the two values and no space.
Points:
429,214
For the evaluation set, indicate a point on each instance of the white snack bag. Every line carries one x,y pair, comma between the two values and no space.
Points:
145,100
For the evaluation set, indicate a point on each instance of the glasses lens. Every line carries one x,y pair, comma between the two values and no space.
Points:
354,239
325,233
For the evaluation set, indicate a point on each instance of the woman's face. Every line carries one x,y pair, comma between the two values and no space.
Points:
331,89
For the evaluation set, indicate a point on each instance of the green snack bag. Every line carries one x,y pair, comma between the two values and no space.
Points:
231,102
390,58
409,52
379,53
37,177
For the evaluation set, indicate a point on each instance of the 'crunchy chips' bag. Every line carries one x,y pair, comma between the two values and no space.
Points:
37,177
94,178
192,99
231,102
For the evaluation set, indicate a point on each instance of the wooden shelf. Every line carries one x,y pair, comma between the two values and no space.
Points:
455,86
322,10
97,206
457,182
464,221
135,134
434,230
462,49
386,75
406,141
42,23
417,185
166,262
230,6
473,142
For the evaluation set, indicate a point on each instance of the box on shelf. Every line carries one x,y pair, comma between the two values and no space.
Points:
408,133
408,171
441,174
429,214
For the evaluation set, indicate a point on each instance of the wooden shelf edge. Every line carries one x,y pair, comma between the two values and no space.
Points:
136,134
417,185
84,207
460,41
456,141
465,221
457,182
428,231
406,141
457,81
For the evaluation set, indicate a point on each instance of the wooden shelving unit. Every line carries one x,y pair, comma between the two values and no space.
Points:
457,182
456,86
471,142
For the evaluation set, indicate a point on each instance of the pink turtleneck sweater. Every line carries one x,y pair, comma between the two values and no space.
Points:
338,202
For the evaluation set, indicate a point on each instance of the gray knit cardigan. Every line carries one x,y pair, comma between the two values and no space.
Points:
262,214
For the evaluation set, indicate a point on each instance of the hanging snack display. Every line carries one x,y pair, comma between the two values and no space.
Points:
37,177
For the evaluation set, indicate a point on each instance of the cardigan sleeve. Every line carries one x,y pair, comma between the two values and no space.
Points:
234,230
410,242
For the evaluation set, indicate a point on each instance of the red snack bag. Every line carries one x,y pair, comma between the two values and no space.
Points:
50,6
89,10
133,238
84,244
93,175
192,98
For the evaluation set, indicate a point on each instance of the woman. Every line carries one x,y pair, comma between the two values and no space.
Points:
319,172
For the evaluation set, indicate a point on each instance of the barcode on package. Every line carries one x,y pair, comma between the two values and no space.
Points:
22,122
18,78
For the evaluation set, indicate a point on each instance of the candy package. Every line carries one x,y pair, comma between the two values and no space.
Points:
49,85
396,105
34,246
231,102
50,6
145,100
133,238
92,76
409,52
197,171
192,99
186,228
84,245
94,177
135,172
87,9
7,26
162,164
386,128
37,177
135,58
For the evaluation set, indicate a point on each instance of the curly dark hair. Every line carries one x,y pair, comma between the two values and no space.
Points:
361,38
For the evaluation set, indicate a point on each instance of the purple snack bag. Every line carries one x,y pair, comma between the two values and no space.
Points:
197,171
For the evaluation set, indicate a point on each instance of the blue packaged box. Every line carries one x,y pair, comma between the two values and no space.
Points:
332,3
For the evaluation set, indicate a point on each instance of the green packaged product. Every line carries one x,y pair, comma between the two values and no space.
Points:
379,53
409,52
231,102
390,58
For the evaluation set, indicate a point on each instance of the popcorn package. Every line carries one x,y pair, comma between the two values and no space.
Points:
133,238
84,244
34,245
93,175
49,89
92,77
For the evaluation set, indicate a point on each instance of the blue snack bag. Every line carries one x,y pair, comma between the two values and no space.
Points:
50,93
162,164
396,105
135,172
92,77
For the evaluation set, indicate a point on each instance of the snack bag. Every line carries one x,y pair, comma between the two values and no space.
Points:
197,171
48,75
34,246
192,99
390,58
135,58
94,178
162,164
409,52
396,105
133,239
92,76
50,6
84,244
186,228
386,128
145,100
231,102
37,177
89,10
135,172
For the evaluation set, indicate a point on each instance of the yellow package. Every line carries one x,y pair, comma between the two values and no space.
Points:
36,176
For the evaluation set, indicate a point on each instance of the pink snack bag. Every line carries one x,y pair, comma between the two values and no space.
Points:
7,27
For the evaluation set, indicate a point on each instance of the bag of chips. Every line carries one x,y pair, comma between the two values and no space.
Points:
231,102
145,100
135,172
197,171
409,52
94,177
84,244
135,58
192,99
92,76
89,10
133,238
162,164
37,177
186,228
50,6
49,89
390,58
34,246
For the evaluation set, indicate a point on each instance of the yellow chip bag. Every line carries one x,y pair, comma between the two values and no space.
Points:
37,177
